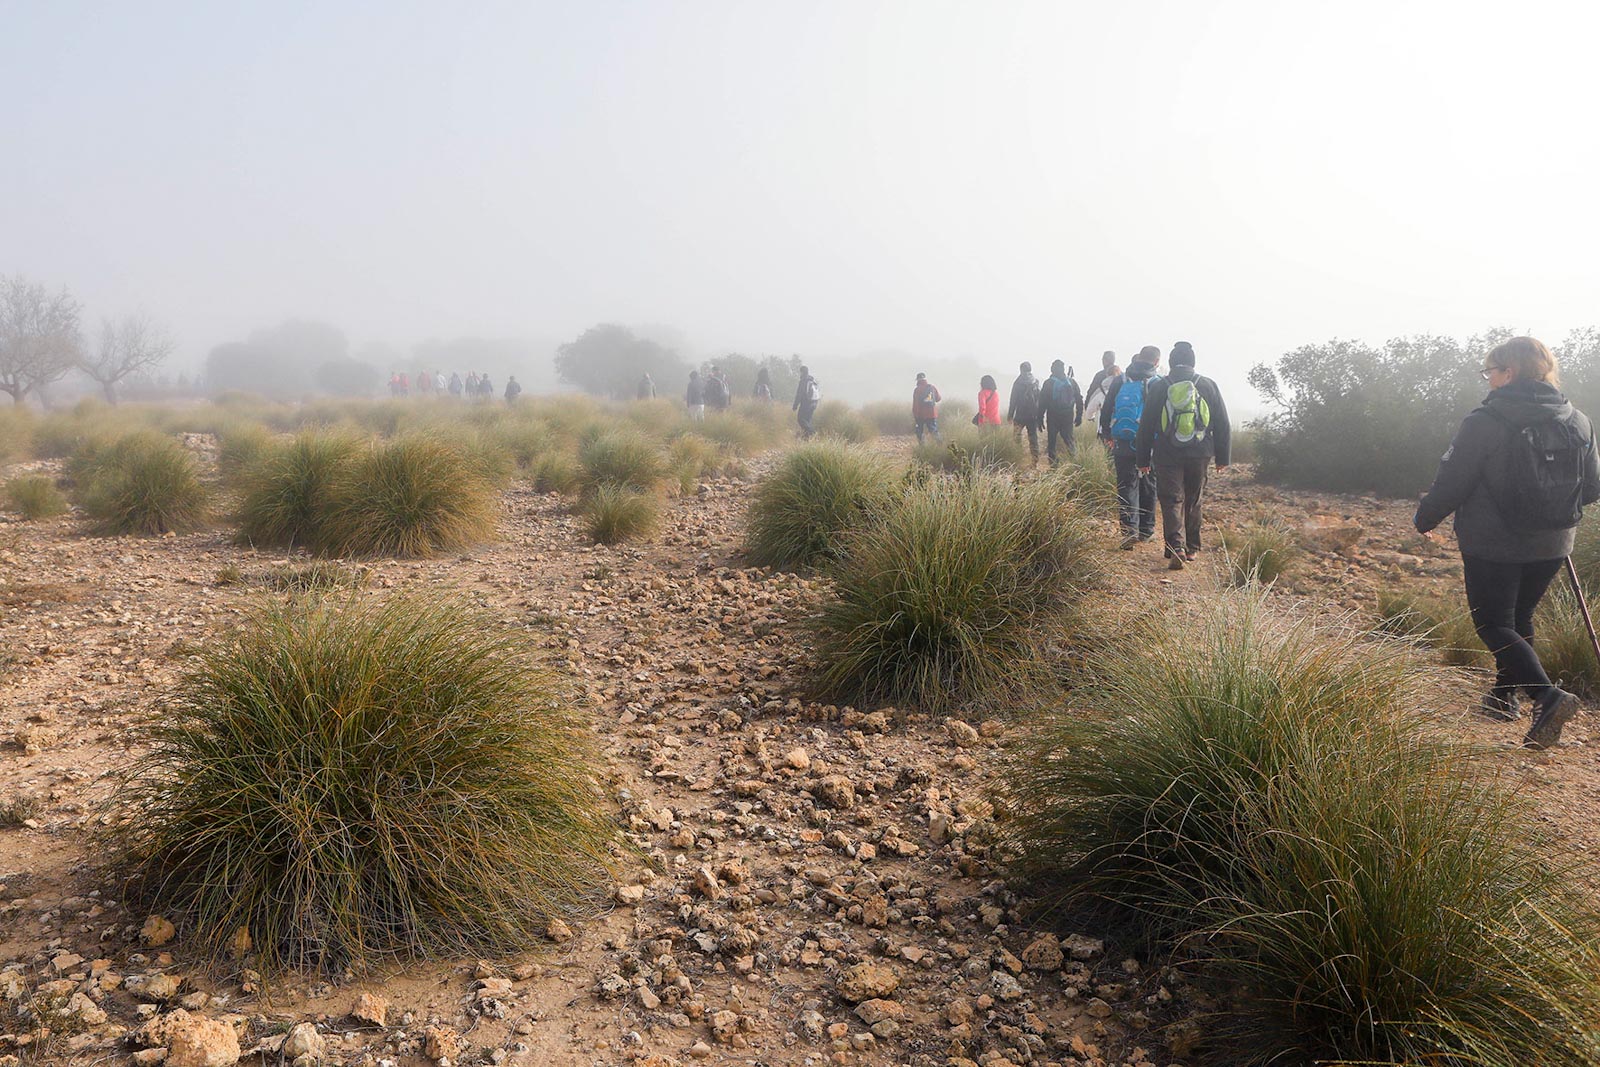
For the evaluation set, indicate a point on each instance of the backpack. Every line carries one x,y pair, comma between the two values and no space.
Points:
1059,388
1027,405
1129,408
1187,416
813,391
1541,483
716,391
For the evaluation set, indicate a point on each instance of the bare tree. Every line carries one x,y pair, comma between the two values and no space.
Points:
39,337
129,345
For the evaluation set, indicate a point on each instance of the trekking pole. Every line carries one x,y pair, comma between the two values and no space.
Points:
1583,606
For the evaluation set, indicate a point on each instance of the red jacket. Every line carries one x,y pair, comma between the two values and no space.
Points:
988,407
925,401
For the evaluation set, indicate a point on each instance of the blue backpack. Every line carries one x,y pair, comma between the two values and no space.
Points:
1130,408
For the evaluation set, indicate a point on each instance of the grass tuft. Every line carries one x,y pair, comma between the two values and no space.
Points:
413,496
350,782
817,493
1258,551
35,497
1434,622
621,458
285,491
835,418
968,447
617,514
144,483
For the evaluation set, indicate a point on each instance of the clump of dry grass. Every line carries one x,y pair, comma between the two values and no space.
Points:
35,497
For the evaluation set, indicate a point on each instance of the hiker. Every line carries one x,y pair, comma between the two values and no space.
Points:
513,390
1182,431
472,385
988,402
455,384
1094,400
716,390
394,383
1517,476
1023,411
807,395
925,407
1119,429
695,397
1063,409
424,383
647,387
762,390
485,387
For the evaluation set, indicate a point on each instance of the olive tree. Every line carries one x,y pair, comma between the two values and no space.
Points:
39,336
128,346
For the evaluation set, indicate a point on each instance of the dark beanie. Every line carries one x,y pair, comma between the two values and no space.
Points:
1026,367
1058,365
1148,354
1182,354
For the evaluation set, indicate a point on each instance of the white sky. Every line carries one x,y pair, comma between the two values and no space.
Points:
1008,180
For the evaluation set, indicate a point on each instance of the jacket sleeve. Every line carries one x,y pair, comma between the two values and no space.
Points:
937,398
799,391
1221,427
1011,405
1591,471
1108,406
1077,405
1155,399
1460,470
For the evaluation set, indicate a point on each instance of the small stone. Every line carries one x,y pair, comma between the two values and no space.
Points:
1083,948
705,883
724,1026
157,931
629,894
1043,954
873,1012
62,962
868,981
798,759
200,1042
1098,1008
441,1043
836,791
700,1050
963,734
84,1010
558,931
371,1008
155,987
303,1040
149,1057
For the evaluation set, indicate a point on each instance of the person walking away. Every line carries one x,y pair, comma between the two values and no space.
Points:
1023,411
513,390
807,395
424,383
1517,476
1119,429
647,387
485,388
472,385
762,390
925,408
716,390
1063,409
1095,399
1182,431
455,384
988,402
695,397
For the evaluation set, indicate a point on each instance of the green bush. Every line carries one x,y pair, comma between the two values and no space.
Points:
144,483
818,492
239,446
966,447
691,458
1258,551
1263,794
1586,555
1444,625
1096,476
35,497
620,458
835,418
284,492
416,495
617,514
555,472
350,782
955,594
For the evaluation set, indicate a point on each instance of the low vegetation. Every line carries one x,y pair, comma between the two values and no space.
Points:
1261,796
311,783
622,459
35,497
966,447
819,491
617,513
413,496
835,418
1438,623
144,483
1258,551
284,491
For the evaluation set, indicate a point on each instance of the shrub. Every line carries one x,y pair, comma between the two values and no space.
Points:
620,458
1265,794
955,593
239,446
1096,476
1434,622
285,491
1586,555
739,435
955,413
412,496
690,458
966,447
1258,551
1563,644
35,497
617,513
555,472
349,782
835,418
144,483
818,492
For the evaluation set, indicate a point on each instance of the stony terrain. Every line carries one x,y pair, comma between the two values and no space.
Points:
813,883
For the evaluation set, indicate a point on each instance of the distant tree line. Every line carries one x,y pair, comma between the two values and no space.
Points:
1353,418
610,360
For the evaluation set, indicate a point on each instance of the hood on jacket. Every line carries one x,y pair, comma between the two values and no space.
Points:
1523,403
1182,373
1139,370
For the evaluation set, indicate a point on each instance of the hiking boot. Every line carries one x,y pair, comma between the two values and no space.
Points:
1147,537
1128,542
1176,563
1190,554
1500,707
1550,714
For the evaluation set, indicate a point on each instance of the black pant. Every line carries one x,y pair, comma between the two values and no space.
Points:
1502,598
803,415
1058,424
1180,487
1136,493
1033,436
928,426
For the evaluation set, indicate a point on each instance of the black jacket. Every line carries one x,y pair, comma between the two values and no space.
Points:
1024,407
696,392
1467,480
1156,447
800,393
1138,372
1061,399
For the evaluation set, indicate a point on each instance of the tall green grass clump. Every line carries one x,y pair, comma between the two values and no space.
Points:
691,458
1258,551
350,783
240,445
620,458
1262,796
956,593
1097,475
967,447
1586,555
835,418
616,514
144,483
735,432
284,491
1435,622
1562,641
413,496
35,497
815,495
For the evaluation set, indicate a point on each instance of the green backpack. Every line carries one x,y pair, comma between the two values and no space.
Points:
1187,415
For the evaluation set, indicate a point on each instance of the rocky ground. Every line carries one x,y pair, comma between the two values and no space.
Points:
815,883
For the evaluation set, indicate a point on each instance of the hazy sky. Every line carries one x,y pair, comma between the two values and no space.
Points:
1009,180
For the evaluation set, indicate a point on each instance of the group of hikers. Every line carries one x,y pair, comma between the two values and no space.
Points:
474,386
1164,433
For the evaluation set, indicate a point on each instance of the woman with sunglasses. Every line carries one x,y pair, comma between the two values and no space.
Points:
1510,553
